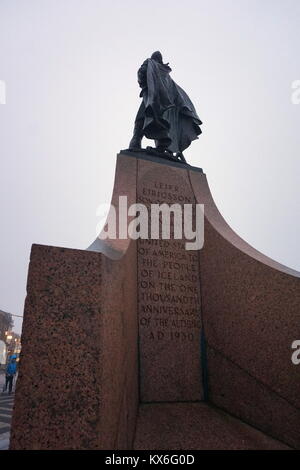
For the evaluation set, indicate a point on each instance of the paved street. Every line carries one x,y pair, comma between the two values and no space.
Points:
6,405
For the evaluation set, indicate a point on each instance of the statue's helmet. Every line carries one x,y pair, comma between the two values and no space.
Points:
157,56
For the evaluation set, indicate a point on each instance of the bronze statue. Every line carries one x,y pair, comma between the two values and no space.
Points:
166,113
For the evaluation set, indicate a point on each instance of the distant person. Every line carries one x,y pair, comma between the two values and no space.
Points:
11,371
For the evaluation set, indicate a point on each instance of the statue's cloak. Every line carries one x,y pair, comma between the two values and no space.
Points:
167,111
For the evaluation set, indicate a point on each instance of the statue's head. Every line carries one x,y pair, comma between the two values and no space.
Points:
157,57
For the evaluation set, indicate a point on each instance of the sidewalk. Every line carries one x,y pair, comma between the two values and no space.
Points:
6,407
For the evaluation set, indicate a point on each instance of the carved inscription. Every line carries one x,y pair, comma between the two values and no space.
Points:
169,299
168,290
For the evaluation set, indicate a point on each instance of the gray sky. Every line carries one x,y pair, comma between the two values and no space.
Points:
71,98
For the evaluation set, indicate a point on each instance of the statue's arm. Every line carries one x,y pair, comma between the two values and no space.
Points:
142,75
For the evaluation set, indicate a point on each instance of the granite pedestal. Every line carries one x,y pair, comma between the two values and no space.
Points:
127,325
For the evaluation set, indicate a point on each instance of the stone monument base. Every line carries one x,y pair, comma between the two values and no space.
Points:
147,325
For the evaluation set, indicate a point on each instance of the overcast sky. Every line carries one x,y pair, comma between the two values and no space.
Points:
70,66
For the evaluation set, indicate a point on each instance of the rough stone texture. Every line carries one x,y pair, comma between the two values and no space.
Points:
77,387
168,297
124,186
190,426
78,382
236,391
251,316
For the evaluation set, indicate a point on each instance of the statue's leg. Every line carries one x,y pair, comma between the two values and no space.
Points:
136,141
163,140
162,144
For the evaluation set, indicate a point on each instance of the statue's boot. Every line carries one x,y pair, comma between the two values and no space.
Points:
136,141
180,156
162,146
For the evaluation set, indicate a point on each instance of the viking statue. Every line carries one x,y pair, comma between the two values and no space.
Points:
166,113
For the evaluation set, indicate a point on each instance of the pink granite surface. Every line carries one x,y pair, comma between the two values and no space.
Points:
192,426
85,313
77,386
241,394
169,305
124,186
251,315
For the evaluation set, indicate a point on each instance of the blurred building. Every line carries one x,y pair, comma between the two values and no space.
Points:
13,343
6,324
10,342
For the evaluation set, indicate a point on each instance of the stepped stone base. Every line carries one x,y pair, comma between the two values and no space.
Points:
192,426
105,331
